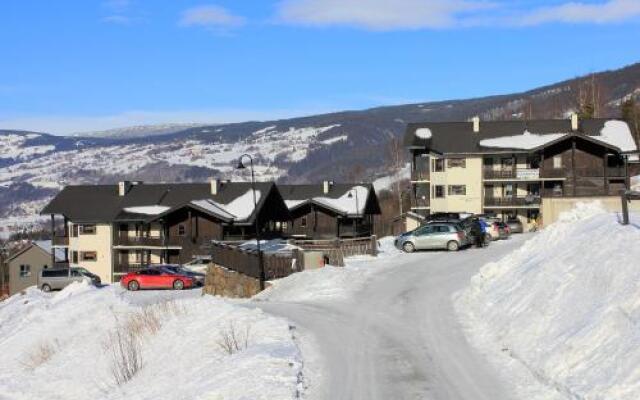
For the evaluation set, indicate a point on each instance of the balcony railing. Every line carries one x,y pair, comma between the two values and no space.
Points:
418,175
60,240
510,173
151,241
420,202
513,201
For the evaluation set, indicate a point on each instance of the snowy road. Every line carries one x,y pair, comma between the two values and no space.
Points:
398,337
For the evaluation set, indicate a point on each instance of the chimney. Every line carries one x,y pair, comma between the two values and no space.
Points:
216,184
476,124
326,186
123,187
574,122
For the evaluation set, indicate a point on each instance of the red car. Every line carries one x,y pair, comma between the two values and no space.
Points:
153,278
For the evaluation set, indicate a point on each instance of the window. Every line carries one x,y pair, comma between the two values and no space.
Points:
557,162
88,256
507,190
303,222
25,270
438,191
438,164
87,229
457,190
425,230
181,230
456,163
74,257
441,229
506,163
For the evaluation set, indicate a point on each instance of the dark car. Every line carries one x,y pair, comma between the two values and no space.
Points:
197,277
515,225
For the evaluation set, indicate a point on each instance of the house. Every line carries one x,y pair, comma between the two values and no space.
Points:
111,229
26,264
330,210
530,170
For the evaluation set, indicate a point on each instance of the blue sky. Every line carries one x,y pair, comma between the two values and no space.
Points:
71,66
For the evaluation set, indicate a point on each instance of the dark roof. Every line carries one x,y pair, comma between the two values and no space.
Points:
101,203
459,137
336,190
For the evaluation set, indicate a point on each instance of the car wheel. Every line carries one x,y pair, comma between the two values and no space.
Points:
178,284
453,246
408,247
133,286
46,288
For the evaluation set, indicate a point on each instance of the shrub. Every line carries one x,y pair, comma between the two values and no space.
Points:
233,340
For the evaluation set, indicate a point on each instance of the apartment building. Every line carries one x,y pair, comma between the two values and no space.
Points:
530,170
111,229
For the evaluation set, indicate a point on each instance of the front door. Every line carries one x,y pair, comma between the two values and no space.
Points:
423,237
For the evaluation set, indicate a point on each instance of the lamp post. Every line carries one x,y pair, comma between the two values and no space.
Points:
355,221
255,208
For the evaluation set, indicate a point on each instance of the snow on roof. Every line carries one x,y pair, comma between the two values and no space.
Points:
238,209
423,133
617,133
147,210
46,246
293,203
351,202
526,141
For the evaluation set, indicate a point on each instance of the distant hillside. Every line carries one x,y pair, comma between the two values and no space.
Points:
340,146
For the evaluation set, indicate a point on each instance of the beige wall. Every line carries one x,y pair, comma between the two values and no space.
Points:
100,242
470,176
552,207
36,259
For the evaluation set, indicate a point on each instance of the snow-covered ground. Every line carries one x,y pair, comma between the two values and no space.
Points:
63,346
563,311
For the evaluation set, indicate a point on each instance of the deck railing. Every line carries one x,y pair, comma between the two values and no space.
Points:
512,201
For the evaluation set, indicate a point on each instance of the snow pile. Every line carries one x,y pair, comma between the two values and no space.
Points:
332,283
526,141
147,210
61,346
565,306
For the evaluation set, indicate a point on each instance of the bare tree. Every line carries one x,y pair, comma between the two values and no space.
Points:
396,161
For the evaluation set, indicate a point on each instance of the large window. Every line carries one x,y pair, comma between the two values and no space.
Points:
438,191
457,190
456,163
88,256
557,162
438,165
25,270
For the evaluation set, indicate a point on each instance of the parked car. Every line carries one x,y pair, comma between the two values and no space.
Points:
198,277
198,264
504,231
515,225
156,278
59,278
492,229
441,235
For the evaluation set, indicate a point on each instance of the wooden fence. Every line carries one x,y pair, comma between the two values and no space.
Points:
246,261
336,250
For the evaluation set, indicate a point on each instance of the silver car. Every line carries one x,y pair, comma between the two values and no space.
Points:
59,278
436,235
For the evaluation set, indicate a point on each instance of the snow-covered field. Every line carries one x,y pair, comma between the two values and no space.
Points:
563,311
65,346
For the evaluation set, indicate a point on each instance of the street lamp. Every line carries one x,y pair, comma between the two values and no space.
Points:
255,205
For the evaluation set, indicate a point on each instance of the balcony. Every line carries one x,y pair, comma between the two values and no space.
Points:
60,240
419,175
420,202
510,173
513,201
149,241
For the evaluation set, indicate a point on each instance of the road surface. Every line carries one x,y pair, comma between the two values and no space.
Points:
398,337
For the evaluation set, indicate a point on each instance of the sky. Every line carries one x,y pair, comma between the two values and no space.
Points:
76,66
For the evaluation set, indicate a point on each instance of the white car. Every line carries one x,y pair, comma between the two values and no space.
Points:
198,264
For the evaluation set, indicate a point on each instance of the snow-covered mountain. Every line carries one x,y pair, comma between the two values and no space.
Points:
350,145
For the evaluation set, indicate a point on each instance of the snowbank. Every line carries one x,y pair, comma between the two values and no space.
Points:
60,346
332,283
566,306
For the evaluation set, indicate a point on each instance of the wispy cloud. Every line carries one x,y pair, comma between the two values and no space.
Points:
117,12
388,15
211,17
